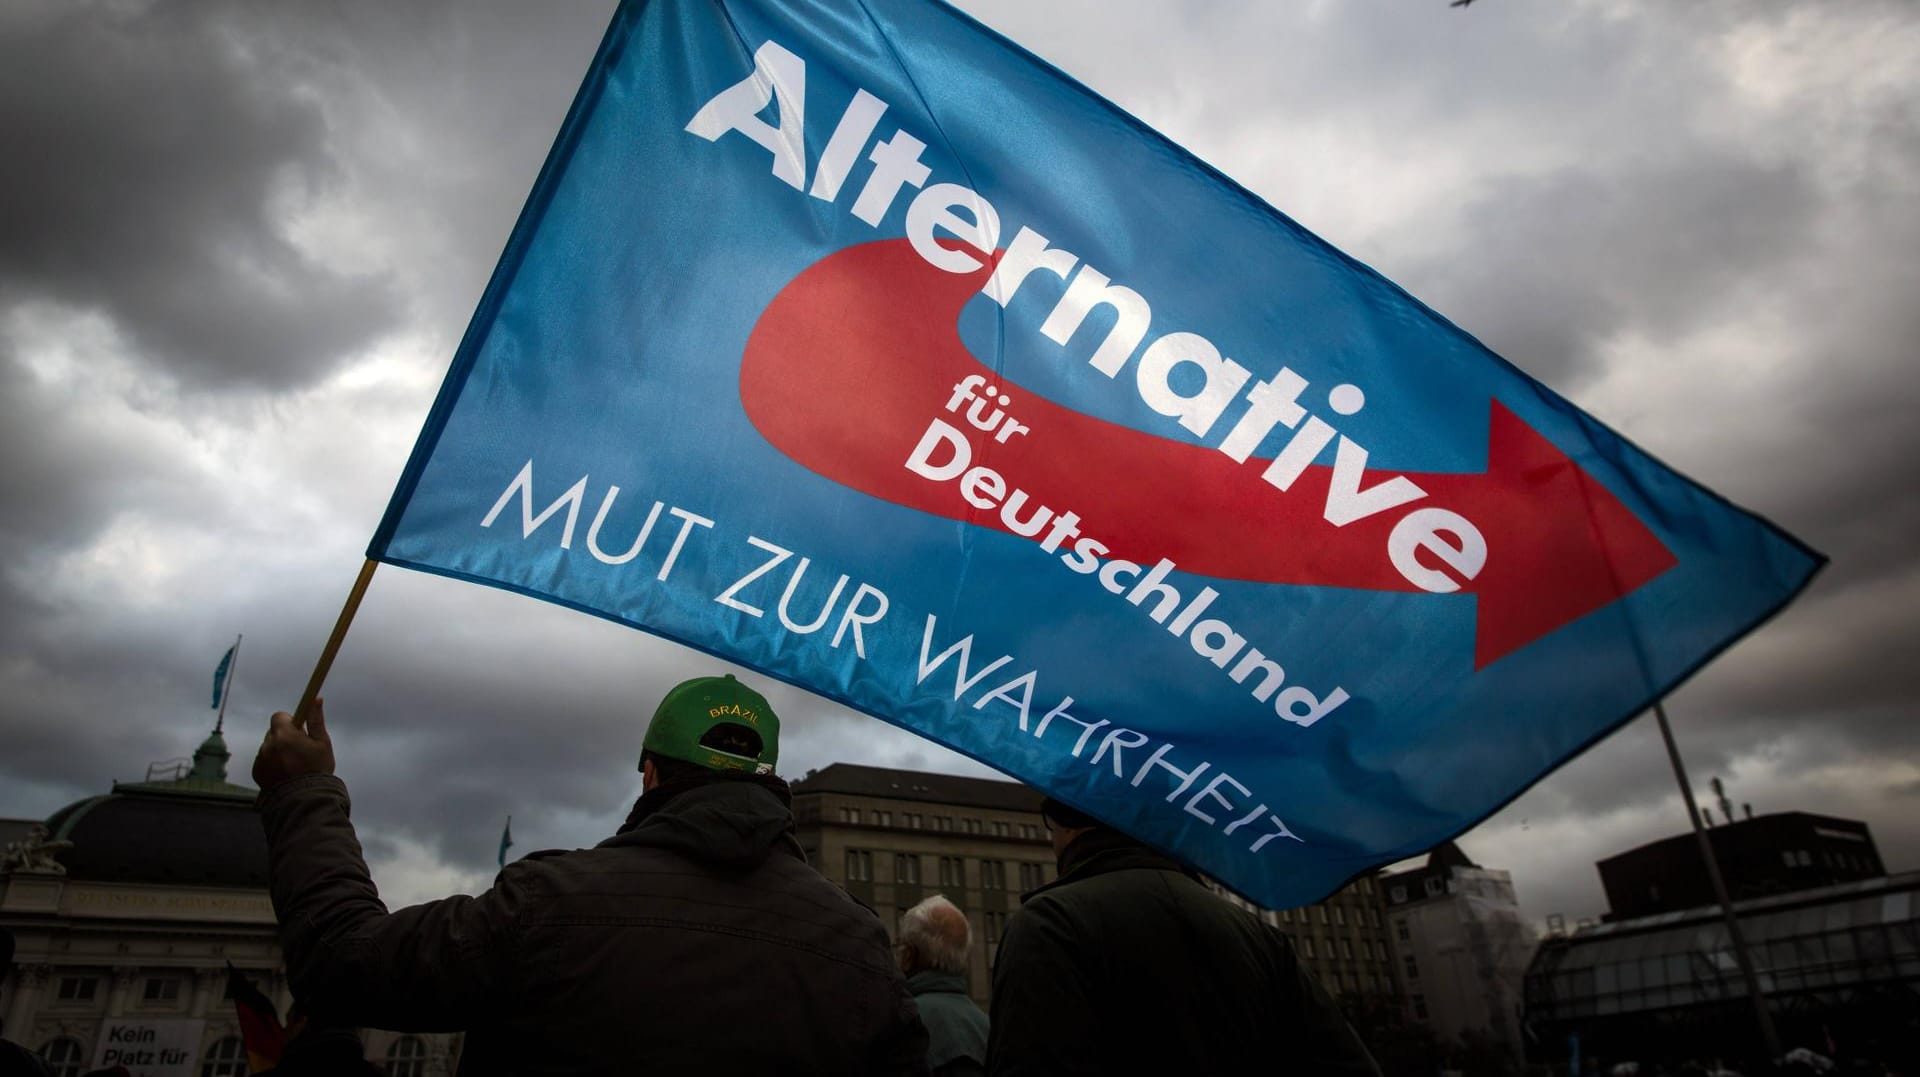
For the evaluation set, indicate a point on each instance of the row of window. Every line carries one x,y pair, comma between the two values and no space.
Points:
1335,915
914,820
66,1057
1341,948
156,990
1433,885
1346,983
951,871
1800,858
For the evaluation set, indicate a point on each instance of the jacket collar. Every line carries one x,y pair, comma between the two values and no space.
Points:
1100,851
728,823
929,981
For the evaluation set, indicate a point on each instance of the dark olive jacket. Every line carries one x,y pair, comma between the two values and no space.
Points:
1128,964
697,940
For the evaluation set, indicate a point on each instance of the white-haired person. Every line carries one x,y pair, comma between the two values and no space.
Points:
932,950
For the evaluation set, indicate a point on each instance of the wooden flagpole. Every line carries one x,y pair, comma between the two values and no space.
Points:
332,648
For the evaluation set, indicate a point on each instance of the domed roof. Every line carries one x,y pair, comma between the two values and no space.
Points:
196,829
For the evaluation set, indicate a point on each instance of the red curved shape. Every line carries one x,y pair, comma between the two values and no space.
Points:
857,355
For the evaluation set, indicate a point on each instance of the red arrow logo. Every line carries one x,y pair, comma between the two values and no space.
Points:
856,356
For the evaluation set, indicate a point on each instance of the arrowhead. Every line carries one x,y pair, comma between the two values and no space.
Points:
1559,544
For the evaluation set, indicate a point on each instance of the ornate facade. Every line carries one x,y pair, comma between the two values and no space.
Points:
126,909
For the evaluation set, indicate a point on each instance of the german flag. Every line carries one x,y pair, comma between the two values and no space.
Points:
260,1030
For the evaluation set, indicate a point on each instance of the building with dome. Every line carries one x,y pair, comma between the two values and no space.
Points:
126,909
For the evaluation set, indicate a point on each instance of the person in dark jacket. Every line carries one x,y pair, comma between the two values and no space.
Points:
695,940
1127,963
933,945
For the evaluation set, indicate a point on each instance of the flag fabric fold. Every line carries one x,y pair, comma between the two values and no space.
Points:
852,343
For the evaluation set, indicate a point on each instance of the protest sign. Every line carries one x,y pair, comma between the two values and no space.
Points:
150,1047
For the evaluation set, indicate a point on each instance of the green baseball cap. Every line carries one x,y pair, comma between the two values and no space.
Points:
716,722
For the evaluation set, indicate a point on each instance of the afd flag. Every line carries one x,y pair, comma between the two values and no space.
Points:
850,342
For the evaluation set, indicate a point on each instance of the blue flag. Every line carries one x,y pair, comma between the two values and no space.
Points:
220,674
852,343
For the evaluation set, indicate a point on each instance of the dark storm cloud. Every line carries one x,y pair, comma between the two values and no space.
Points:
153,157
1570,259
61,481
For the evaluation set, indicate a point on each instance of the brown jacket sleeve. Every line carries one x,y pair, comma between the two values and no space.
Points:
440,966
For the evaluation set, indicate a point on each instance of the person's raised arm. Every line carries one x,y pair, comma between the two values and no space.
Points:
437,966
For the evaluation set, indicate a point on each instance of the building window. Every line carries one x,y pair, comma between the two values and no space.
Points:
162,989
1397,895
1346,949
1306,946
913,820
407,1057
859,865
1420,1007
1286,916
1433,886
1339,916
1029,876
883,818
1002,830
1400,929
943,822
850,815
1379,950
996,924
63,1056
973,826
77,988
1373,917
1322,910
226,1058
1413,970
906,869
993,875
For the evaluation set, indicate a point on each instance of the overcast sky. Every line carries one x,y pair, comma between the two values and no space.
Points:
239,242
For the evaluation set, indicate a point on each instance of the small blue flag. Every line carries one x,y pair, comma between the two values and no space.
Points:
220,674
857,345
506,839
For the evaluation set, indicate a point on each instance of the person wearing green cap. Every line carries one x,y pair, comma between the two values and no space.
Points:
695,940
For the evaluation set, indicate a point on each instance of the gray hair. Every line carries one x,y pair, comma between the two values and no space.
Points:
936,935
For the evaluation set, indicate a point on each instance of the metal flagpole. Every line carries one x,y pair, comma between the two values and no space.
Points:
1768,1036
226,683
332,648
